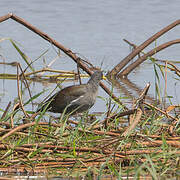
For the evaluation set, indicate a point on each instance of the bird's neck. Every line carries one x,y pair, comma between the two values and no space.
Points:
93,84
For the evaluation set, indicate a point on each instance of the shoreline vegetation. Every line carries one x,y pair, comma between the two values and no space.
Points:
140,142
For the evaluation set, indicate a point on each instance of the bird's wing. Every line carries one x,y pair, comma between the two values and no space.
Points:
74,91
67,96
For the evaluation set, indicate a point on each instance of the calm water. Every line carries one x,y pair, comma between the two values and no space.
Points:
95,30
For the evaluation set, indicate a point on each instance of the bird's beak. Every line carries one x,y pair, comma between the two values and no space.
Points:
104,77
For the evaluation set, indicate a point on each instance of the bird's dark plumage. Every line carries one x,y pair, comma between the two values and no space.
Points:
75,99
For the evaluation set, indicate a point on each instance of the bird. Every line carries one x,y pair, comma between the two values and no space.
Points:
76,98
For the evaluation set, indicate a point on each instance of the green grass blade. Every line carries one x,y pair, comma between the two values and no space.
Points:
25,58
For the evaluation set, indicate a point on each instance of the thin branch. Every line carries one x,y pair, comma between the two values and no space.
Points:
131,67
136,51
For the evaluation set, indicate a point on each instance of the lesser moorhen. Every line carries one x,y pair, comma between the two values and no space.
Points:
76,98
